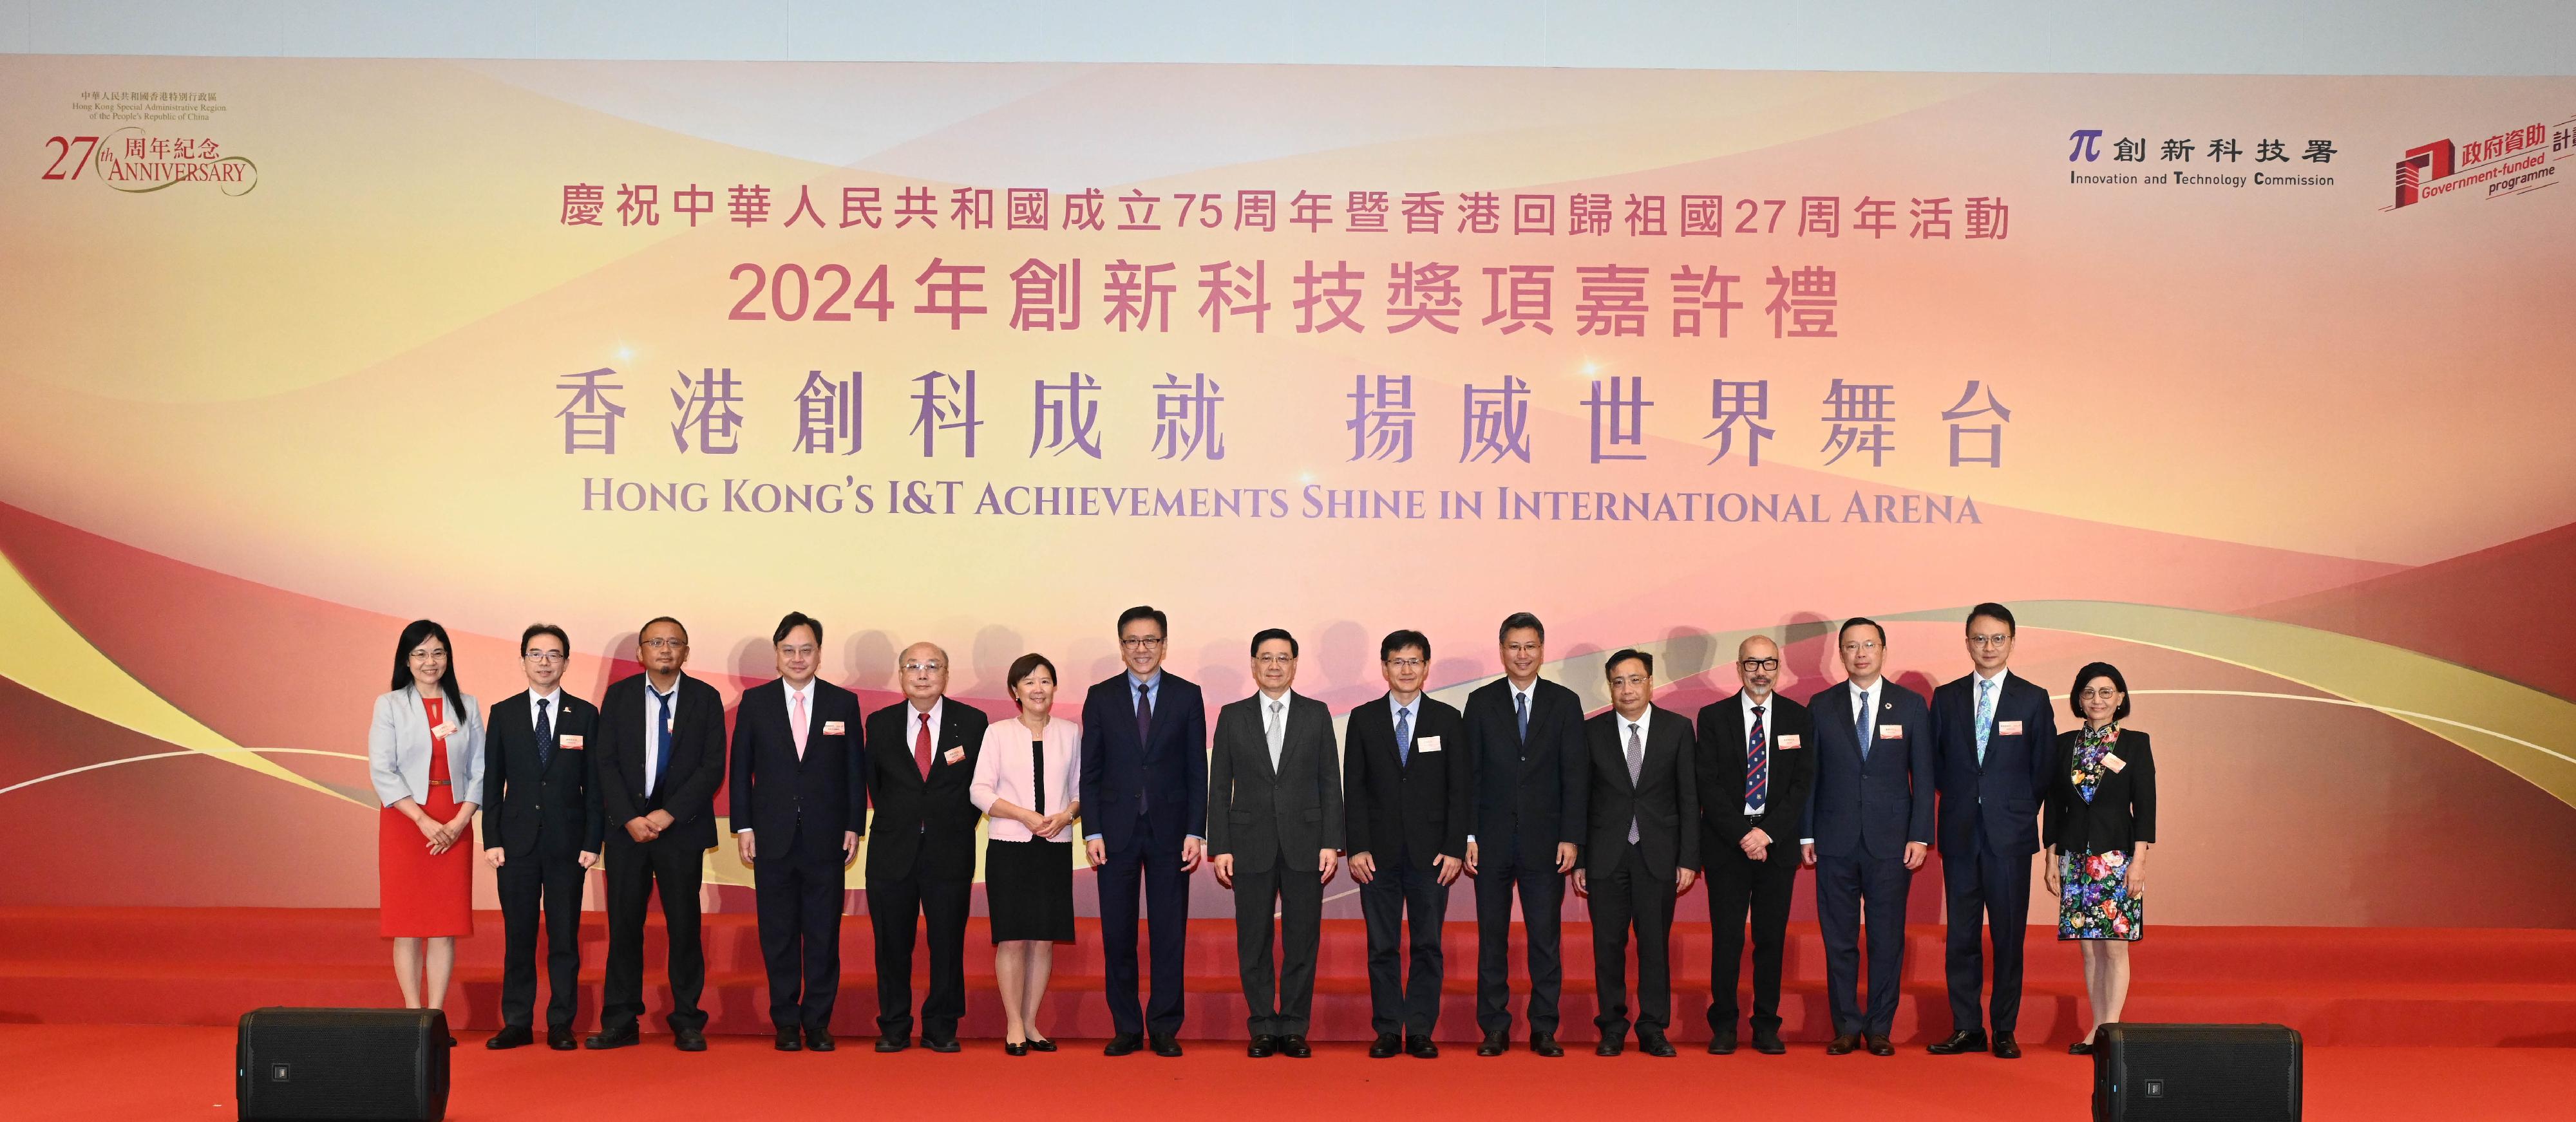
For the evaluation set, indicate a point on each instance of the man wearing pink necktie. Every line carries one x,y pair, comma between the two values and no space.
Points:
799,804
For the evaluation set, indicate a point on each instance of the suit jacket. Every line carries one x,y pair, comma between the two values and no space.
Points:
1413,811
398,748
1168,777
525,805
1870,808
1257,813
1723,736
1527,794
773,790
923,826
1663,802
687,790
2123,810
1995,804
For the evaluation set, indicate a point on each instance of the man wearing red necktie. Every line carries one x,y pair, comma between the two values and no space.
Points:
921,859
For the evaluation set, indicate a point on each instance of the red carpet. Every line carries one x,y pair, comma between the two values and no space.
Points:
79,1072
2339,986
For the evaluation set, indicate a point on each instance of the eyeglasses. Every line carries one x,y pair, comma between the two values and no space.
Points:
1762,664
665,644
1404,664
1140,644
797,651
543,656
1857,645
2102,694
924,667
1988,640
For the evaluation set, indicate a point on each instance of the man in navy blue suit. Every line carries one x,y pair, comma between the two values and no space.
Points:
1993,737
1144,810
1869,824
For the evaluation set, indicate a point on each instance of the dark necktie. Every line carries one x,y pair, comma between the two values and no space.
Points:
1520,709
1757,767
662,753
545,735
1860,726
1144,715
1403,737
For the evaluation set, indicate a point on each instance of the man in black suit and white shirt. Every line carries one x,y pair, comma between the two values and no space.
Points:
1755,766
799,805
1405,781
1644,851
659,758
1275,835
1995,744
1524,830
921,862
542,824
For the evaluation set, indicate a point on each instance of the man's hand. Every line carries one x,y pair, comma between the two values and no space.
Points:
1807,854
1328,860
1224,870
1580,888
1363,867
1914,852
661,820
494,857
1097,851
1193,851
1447,868
1755,842
1471,857
589,860
1565,855
849,844
642,830
742,841
1683,879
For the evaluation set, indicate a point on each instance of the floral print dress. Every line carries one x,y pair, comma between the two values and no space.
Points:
2094,898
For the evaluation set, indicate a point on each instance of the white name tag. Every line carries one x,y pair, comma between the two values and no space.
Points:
444,730
834,728
2115,763
2008,728
1791,741
572,742
1891,732
1426,744
956,755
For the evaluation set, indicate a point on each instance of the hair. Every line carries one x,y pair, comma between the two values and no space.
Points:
1162,625
1269,633
1024,666
1400,639
1610,669
2091,671
529,636
1996,612
1860,621
790,622
648,626
412,634
1517,621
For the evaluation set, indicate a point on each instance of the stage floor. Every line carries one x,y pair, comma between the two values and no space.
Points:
64,1072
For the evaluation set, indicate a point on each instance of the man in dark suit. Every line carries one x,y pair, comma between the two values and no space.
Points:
1995,741
1644,849
659,758
1869,823
1275,835
1755,764
1524,830
1405,776
1144,809
799,805
542,824
921,860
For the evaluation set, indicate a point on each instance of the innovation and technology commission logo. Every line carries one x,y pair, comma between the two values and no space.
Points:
2516,161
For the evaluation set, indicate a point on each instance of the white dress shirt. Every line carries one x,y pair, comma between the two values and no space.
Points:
1768,704
653,729
554,708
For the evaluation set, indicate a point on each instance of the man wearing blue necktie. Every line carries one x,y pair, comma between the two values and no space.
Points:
1997,739
1869,825
1525,829
659,759
1404,795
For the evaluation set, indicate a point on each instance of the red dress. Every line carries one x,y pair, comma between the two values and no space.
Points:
425,895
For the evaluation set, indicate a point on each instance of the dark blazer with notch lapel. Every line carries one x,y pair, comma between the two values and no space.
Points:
1526,794
1664,802
1994,805
1416,810
1871,807
1722,739
688,790
773,790
557,804
1170,774
1257,814
930,822
2123,810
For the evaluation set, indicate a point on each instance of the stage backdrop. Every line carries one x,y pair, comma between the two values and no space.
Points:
2257,387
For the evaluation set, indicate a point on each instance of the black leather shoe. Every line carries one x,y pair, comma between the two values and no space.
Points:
626,1037
789,1040
1166,1045
560,1039
1041,1044
1421,1048
1962,1041
894,1042
510,1036
1656,1045
944,1045
1722,1044
2080,1048
1767,1042
1880,1045
689,1040
819,1040
1294,1045
1386,1044
1608,1047
1842,1045
1123,1044
1494,1044
1262,1046
2007,1048
1020,1048
1544,1043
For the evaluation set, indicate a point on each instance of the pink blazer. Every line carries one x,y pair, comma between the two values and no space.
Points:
1003,770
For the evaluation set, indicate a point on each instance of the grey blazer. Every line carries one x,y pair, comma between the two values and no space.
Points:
398,748
1264,817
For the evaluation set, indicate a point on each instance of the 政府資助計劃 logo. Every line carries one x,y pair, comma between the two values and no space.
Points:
2506,163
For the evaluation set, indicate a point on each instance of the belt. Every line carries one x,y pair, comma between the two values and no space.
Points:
438,783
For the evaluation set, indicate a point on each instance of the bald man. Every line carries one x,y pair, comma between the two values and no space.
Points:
1756,761
921,847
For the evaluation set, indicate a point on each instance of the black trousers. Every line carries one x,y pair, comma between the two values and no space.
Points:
1404,999
1631,895
635,874
552,883
1738,886
1542,894
797,885
941,905
1845,888
1151,864
1986,888
1298,896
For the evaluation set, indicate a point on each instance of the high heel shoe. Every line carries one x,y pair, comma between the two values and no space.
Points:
1015,1048
2080,1048
1041,1044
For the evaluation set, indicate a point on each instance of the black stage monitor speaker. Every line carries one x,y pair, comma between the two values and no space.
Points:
2198,1073
341,1064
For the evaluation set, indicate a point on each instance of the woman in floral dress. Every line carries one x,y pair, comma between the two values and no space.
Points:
2101,821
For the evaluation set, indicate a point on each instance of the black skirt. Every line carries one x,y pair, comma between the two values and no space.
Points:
1028,888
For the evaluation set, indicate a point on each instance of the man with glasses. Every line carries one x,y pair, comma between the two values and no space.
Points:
799,805
1144,809
1993,758
1869,824
921,862
1524,830
1755,764
542,824
1405,788
660,757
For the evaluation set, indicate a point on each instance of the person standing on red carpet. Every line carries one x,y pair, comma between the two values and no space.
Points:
797,806
2101,822
425,756
1755,762
1643,811
1869,826
1524,831
1144,805
1275,830
1994,745
1027,789
1405,783
921,862
541,836
659,759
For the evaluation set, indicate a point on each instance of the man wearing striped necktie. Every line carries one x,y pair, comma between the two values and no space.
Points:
1755,765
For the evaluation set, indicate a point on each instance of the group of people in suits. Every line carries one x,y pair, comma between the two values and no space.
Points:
1521,791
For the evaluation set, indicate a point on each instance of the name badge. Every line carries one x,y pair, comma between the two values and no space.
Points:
956,755
1891,732
1791,741
2115,764
834,728
2008,728
444,730
1426,744
573,742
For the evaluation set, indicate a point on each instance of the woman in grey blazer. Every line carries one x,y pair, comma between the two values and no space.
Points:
425,754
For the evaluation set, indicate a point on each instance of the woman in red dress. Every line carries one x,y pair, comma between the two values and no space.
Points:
425,754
